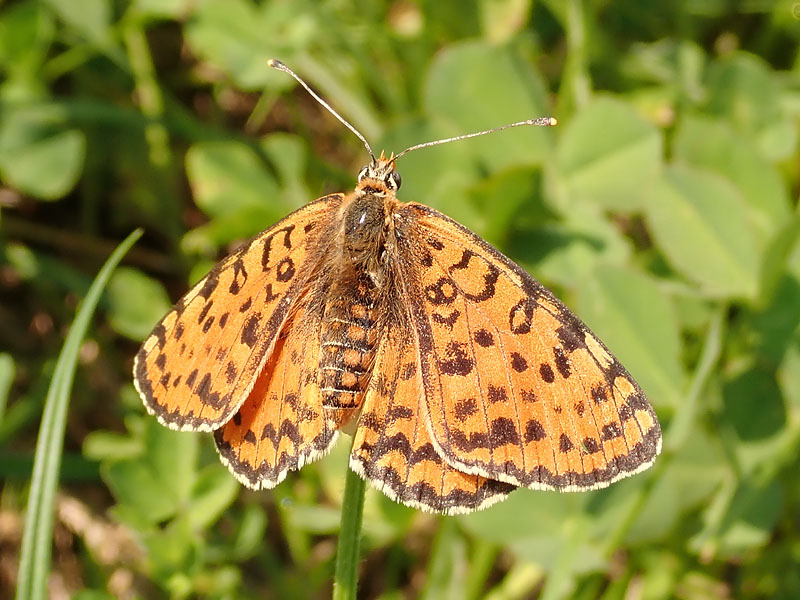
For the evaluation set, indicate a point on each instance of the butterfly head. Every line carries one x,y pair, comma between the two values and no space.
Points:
381,170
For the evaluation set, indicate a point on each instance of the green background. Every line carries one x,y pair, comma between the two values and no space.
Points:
662,209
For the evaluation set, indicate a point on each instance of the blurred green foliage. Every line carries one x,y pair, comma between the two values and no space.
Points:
663,209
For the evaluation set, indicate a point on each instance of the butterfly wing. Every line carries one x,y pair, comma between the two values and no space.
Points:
201,361
392,447
281,425
517,388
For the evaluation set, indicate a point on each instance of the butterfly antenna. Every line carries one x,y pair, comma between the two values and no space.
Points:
276,64
540,121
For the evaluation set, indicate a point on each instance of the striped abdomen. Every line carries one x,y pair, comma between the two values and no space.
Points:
349,337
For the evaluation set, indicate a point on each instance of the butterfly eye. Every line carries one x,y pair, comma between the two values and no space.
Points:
363,172
393,180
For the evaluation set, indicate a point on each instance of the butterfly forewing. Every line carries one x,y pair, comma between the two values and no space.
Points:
199,363
392,447
517,388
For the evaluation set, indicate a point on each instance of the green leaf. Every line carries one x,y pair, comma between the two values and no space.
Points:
173,552
157,484
702,226
610,155
505,522
762,437
289,155
164,9
138,492
567,252
231,184
776,256
26,32
743,90
213,492
250,533
227,177
713,145
474,86
501,20
173,458
751,518
788,377
637,322
687,481
238,37
111,446
90,18
39,158
135,303
447,565
501,198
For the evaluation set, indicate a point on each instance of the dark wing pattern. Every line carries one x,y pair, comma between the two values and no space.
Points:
200,362
517,388
392,447
282,424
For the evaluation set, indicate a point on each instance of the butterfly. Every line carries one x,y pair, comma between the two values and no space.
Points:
459,376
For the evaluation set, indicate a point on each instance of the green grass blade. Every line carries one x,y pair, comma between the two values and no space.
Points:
6,379
34,565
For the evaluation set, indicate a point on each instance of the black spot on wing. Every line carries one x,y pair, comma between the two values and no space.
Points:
546,371
457,362
518,362
562,362
209,285
503,432
250,330
599,394
483,338
534,431
465,408
570,335
611,431
239,276
497,394
204,312
590,445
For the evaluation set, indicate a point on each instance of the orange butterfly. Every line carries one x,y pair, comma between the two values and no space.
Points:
459,375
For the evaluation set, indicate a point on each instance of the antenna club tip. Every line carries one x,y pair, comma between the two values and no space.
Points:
275,63
552,121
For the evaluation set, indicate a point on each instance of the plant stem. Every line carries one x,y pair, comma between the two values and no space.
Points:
345,581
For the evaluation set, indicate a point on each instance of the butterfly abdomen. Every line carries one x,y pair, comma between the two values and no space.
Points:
349,337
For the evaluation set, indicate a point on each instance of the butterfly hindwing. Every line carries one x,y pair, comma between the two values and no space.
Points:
199,363
517,388
392,447
281,425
